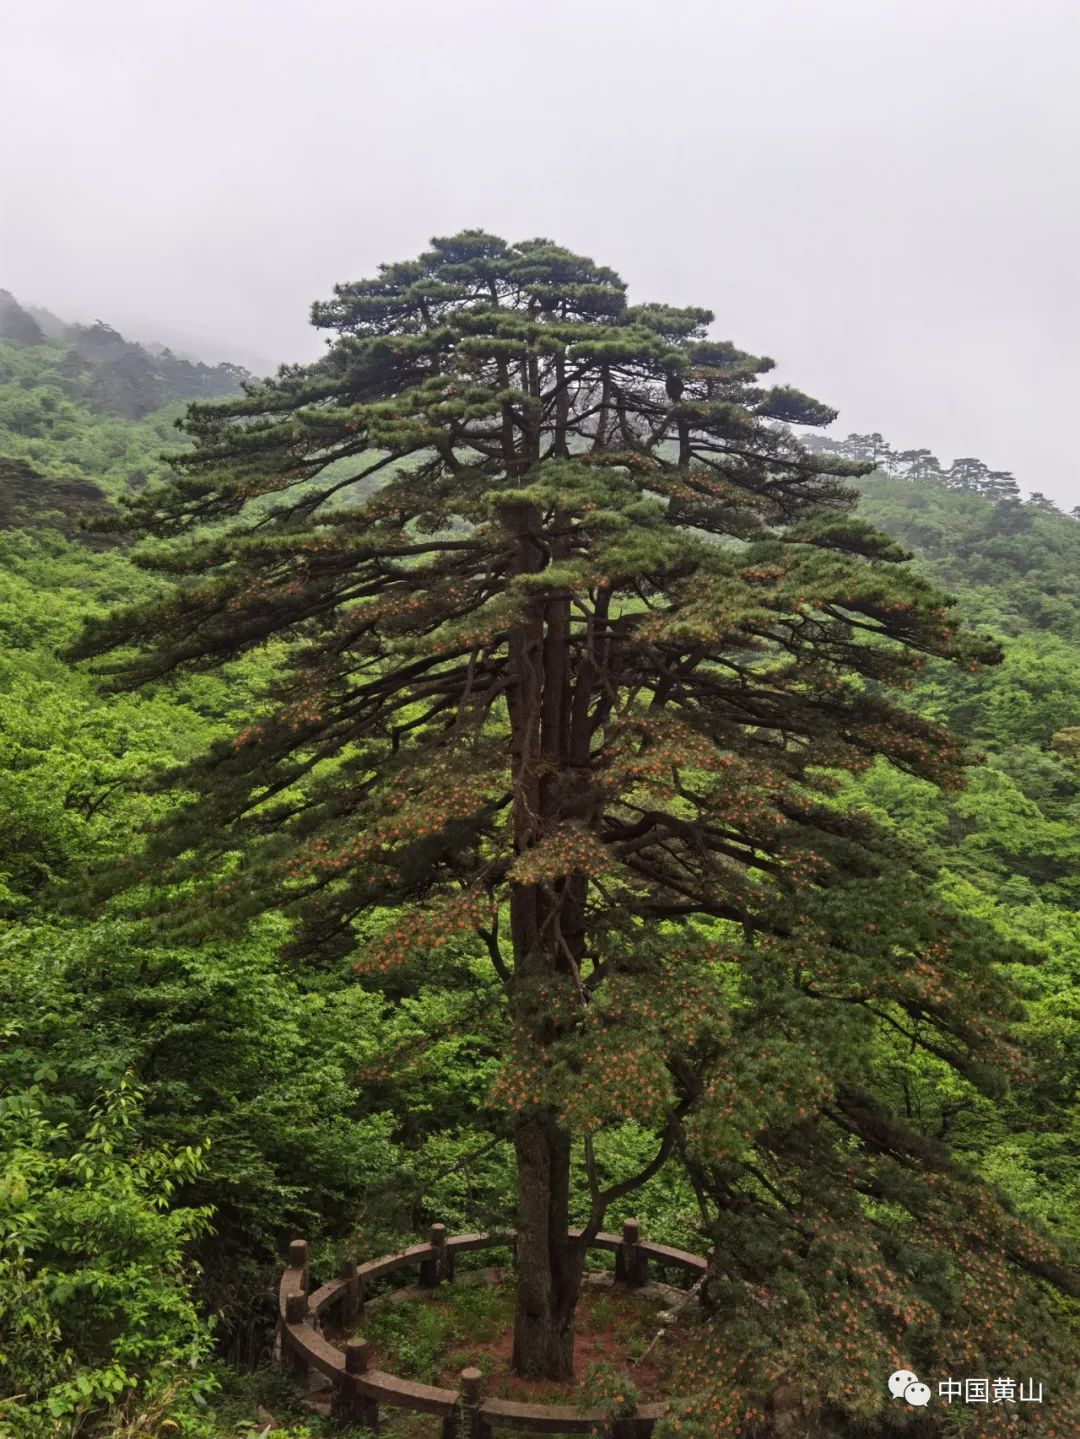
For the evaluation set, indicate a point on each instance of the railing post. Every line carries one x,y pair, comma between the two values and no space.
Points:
631,1428
295,1313
298,1259
440,1266
631,1265
350,1299
445,1254
348,1401
472,1396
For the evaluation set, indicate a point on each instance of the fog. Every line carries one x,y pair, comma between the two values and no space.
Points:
882,196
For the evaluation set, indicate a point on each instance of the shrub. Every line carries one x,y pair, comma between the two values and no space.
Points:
96,1312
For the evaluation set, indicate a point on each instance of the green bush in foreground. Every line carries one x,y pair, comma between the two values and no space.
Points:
97,1322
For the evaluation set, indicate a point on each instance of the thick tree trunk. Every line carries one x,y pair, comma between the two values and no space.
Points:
549,723
549,1263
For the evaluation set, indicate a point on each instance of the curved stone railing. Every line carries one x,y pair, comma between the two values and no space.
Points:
358,1390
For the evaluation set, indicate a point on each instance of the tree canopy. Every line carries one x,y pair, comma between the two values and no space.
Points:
575,639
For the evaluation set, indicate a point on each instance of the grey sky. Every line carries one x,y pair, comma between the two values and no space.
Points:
883,196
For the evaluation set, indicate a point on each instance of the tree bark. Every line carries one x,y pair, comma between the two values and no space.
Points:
549,1263
547,931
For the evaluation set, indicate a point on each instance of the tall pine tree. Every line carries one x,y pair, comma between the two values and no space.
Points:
574,636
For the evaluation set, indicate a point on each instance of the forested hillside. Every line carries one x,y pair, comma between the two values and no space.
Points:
183,1087
1008,841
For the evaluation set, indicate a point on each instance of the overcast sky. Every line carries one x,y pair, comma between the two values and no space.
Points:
882,196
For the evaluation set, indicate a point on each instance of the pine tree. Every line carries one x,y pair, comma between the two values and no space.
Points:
872,449
574,636
967,473
1038,501
1001,487
922,465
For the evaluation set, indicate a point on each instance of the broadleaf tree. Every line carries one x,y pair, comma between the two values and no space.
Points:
574,637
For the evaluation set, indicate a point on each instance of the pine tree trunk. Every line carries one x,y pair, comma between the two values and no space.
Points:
549,1264
547,934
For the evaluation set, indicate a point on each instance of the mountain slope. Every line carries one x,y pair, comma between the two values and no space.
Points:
84,405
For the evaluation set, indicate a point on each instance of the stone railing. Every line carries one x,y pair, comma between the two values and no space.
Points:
359,1390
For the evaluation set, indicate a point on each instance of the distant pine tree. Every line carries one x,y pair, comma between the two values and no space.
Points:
1038,501
1001,487
968,474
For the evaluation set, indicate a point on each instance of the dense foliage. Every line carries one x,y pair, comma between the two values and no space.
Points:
277,1089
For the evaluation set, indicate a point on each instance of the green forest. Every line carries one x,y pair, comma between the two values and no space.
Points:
523,771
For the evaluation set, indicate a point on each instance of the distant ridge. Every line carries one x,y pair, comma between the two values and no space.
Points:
968,474
113,375
18,324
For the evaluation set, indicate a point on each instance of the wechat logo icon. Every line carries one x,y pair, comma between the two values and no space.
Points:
905,1383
